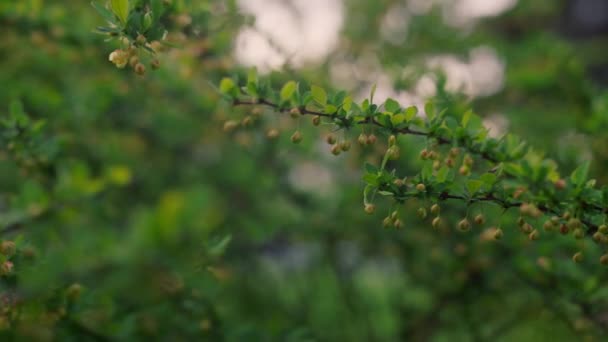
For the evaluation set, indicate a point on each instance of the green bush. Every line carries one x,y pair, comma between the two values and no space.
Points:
188,197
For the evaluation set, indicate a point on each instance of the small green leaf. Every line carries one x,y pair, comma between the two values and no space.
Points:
330,109
429,109
121,9
227,86
288,90
347,103
319,95
465,118
371,168
580,174
410,113
104,12
473,185
252,76
372,93
397,119
391,106
218,248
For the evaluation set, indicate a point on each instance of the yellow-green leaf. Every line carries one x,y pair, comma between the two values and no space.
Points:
288,89
121,9
319,94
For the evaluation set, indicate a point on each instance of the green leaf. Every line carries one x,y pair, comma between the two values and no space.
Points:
288,90
465,118
252,76
488,179
319,95
347,103
371,168
156,6
371,179
473,185
330,109
372,93
580,174
442,174
218,248
121,9
391,106
397,119
386,193
410,113
104,12
227,86
429,109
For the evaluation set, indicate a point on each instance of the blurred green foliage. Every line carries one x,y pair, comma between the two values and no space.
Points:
135,217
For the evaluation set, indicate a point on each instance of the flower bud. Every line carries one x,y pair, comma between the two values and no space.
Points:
398,224
387,222
133,61
604,259
294,112
578,233
479,219
435,209
141,39
369,208
449,163
140,69
599,237
247,121
330,139
155,64
422,213
393,153
394,215
498,234
362,139
272,133
424,154
420,187
120,58
345,145
454,152
564,229
548,226
6,268
574,223
336,150
73,292
392,140
527,228
603,229
436,222
464,225
398,182
436,165
534,235
464,170
296,137
8,248
560,184
230,125
468,161
371,139
316,120
577,257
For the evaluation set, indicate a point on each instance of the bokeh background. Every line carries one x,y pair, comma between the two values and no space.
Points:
173,230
